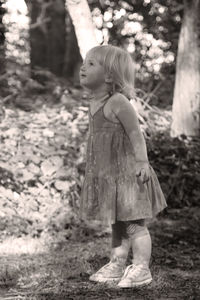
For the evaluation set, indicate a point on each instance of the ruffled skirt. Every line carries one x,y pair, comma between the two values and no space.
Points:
111,191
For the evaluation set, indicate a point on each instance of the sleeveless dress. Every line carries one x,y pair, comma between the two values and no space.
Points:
111,191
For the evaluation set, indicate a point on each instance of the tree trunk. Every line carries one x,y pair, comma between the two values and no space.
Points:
47,34
73,59
84,28
186,103
3,81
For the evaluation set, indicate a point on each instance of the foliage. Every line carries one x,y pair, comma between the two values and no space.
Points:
3,83
177,162
16,22
149,30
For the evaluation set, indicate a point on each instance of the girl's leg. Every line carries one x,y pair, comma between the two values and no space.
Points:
120,241
138,273
120,247
140,242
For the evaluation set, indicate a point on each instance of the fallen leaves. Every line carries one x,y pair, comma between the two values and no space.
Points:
39,155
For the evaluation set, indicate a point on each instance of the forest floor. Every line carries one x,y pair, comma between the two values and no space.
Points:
62,272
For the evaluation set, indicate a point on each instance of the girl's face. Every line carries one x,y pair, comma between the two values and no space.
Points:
92,73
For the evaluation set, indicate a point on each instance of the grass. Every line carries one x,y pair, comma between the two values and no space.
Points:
39,269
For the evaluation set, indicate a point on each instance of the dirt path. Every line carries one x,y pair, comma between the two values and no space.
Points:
63,272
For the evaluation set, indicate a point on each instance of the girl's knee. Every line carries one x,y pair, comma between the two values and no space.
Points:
136,229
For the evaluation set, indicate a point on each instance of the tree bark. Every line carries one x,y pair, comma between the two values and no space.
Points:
186,102
47,34
73,59
84,28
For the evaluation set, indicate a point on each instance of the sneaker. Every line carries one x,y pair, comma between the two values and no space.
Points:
113,271
135,276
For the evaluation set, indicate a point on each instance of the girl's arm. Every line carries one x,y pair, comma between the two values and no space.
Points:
126,114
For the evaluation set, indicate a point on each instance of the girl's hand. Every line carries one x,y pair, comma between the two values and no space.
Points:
142,171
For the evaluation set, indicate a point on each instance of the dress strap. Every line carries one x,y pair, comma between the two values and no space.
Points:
103,101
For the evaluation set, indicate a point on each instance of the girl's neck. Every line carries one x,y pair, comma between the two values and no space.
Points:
100,95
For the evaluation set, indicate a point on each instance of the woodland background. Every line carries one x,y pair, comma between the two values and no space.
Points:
46,252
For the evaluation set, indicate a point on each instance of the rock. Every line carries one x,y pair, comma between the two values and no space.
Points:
48,168
48,133
62,185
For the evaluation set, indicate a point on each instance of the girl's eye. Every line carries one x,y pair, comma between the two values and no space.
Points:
91,63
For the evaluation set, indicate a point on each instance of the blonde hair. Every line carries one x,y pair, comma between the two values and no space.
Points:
119,65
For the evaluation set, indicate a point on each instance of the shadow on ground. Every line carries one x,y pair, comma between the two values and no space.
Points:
63,272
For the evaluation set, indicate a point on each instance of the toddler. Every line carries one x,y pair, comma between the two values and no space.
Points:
120,187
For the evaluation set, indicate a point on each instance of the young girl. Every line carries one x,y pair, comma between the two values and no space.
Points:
120,187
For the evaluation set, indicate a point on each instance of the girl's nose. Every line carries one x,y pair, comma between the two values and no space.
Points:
82,67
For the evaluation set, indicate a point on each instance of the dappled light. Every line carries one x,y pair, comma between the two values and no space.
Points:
46,250
24,245
17,21
155,50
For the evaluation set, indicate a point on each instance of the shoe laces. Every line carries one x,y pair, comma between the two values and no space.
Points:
132,270
112,266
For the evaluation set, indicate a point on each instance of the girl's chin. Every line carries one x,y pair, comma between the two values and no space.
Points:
84,84
83,80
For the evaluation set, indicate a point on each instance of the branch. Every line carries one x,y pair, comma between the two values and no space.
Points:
8,98
40,23
42,19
